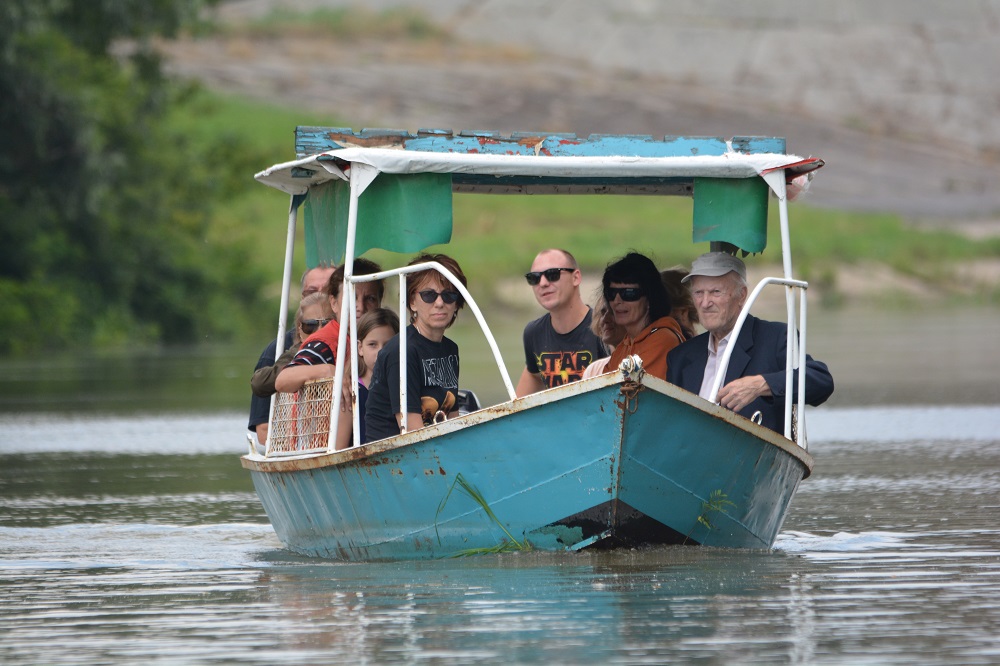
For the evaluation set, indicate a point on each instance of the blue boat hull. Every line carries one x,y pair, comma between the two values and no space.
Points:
581,466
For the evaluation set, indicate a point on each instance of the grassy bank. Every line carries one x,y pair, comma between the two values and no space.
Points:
496,237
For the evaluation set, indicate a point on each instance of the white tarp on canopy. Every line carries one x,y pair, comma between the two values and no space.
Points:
385,160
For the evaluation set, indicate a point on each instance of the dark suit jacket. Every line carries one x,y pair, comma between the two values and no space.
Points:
759,350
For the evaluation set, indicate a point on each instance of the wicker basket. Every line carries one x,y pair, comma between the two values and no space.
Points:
301,420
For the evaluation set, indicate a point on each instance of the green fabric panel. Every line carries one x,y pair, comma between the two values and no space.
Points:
399,213
324,237
731,210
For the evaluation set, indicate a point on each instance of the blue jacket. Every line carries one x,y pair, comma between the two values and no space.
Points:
759,350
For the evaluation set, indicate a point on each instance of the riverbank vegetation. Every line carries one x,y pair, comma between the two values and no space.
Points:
130,215
106,208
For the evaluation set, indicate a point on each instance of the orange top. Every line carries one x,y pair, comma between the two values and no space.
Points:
652,345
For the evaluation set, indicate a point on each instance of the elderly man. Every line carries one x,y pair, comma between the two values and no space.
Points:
755,378
559,345
313,280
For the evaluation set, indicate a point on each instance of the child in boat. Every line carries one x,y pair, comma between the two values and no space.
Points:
375,329
681,304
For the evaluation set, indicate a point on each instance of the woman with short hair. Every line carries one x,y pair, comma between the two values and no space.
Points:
313,314
431,358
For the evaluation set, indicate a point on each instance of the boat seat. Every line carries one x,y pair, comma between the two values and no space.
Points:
467,402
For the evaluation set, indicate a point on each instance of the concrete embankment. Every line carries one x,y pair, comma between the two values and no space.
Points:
898,96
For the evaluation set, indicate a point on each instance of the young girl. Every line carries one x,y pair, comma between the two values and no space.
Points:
375,328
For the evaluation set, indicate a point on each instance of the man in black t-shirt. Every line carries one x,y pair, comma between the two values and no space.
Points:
559,345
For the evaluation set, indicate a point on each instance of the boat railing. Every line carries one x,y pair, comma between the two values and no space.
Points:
307,421
402,273
795,353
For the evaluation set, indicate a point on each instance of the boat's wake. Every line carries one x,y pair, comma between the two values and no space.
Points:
841,542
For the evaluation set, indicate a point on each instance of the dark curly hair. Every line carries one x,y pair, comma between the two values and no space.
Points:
635,268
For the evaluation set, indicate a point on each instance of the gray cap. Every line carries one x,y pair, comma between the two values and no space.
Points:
715,264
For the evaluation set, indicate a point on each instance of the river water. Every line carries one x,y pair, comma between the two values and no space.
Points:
132,533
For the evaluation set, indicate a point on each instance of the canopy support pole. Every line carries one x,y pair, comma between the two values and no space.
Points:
286,286
776,179
361,177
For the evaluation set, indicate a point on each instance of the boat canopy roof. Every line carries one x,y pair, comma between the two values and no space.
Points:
418,173
522,162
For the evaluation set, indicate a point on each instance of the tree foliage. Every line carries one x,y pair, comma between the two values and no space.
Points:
104,209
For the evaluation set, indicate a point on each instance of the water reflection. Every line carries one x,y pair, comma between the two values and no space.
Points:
530,608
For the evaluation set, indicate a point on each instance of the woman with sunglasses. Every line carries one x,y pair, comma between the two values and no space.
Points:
431,358
640,303
314,312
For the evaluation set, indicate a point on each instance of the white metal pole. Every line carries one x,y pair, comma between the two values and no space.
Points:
801,439
404,314
286,282
361,176
776,180
353,355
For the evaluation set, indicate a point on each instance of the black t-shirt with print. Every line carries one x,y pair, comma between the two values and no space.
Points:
431,383
558,358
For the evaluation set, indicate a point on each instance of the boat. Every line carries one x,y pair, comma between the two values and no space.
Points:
620,460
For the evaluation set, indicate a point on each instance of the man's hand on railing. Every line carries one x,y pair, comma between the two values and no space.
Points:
739,393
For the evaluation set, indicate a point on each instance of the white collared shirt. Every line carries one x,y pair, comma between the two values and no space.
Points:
712,365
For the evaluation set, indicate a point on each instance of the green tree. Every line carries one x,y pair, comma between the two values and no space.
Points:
104,210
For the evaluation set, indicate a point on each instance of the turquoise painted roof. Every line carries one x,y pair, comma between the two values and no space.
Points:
312,140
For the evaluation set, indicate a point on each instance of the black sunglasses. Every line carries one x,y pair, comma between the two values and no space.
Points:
551,274
313,325
429,296
628,294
